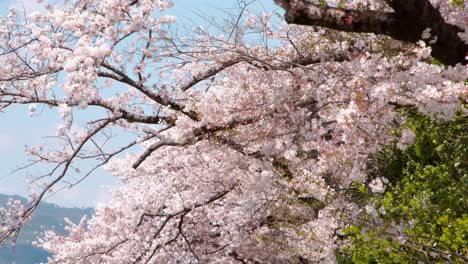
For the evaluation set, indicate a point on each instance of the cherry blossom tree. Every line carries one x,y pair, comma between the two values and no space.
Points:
250,132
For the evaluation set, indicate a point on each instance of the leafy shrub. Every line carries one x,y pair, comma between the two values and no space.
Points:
423,214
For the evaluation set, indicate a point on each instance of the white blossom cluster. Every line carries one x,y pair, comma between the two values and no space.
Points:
246,163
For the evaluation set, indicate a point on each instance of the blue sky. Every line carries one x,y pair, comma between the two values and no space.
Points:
18,129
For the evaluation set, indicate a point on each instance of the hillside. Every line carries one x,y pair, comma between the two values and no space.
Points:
48,216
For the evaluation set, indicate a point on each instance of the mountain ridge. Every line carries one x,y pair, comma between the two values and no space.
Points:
47,216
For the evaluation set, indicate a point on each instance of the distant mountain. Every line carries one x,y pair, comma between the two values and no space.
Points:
47,217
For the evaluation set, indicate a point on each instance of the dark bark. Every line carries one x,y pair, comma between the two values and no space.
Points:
407,23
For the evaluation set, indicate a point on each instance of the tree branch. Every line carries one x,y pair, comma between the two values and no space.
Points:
196,78
407,23
124,78
16,98
14,231
197,135
180,213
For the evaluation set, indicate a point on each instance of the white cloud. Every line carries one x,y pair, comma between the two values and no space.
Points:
76,196
104,194
81,195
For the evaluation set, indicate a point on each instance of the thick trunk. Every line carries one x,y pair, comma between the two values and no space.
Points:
407,23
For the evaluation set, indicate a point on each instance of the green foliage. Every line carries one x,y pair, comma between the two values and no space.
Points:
423,214
389,161
359,194
322,3
459,3
282,166
436,62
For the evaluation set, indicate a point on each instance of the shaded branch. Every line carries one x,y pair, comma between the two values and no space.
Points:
16,98
407,23
181,213
197,135
446,253
207,74
124,78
